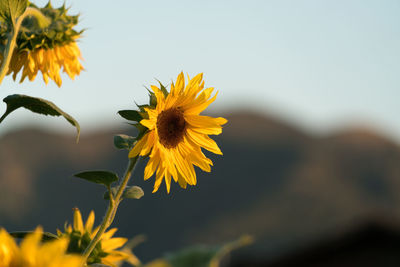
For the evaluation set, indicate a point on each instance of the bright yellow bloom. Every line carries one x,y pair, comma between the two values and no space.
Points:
31,253
49,61
177,132
105,252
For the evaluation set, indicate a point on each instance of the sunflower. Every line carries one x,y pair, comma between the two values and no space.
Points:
31,253
81,234
176,132
49,50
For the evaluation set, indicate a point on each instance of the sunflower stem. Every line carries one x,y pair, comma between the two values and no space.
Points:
12,41
112,209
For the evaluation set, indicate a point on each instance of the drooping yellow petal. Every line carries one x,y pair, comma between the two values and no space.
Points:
204,141
139,146
159,178
204,124
48,61
168,181
149,144
152,165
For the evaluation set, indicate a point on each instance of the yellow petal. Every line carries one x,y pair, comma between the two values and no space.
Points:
78,223
204,124
107,235
139,146
113,243
29,246
149,144
159,94
200,106
150,123
159,178
90,222
151,165
168,181
203,140
180,83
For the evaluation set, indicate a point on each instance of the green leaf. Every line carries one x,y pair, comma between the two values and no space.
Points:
45,237
197,256
131,115
37,105
122,141
10,10
204,256
134,192
99,177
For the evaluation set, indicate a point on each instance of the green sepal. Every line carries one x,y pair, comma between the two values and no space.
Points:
36,33
152,98
141,107
163,89
41,20
45,237
78,243
99,177
132,192
131,115
10,10
141,130
37,105
122,141
113,190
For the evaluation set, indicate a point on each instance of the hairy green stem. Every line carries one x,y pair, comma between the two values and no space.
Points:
112,208
12,41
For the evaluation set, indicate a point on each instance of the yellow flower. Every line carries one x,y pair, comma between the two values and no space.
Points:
31,253
49,49
81,234
176,133
49,61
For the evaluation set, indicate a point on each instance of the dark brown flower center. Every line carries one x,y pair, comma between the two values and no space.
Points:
171,126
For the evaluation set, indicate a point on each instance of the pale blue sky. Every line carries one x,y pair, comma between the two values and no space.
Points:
317,64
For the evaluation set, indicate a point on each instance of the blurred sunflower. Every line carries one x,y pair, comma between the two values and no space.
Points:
31,253
176,132
105,252
48,50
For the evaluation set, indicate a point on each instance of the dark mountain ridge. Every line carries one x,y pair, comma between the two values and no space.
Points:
274,181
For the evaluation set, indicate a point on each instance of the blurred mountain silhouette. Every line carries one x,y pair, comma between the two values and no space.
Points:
285,187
